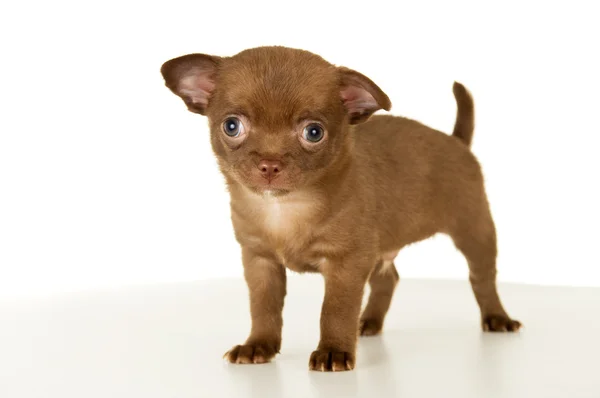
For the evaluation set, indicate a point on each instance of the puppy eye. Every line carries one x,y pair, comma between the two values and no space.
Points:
233,127
313,133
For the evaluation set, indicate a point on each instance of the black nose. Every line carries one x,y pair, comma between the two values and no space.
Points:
270,168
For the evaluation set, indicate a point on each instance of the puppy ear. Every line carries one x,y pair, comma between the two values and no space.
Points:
192,77
361,96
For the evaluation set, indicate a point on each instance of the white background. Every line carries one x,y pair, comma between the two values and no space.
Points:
106,179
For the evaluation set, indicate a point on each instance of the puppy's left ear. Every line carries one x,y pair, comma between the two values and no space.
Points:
361,96
192,77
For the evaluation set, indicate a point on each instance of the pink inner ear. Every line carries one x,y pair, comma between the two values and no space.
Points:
197,85
358,100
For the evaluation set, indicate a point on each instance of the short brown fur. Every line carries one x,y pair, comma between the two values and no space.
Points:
343,206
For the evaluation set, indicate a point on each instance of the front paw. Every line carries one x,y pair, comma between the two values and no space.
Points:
499,323
331,361
251,353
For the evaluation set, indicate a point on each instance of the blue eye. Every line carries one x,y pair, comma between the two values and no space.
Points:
233,127
313,133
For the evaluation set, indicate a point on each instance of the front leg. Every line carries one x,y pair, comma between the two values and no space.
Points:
344,286
267,286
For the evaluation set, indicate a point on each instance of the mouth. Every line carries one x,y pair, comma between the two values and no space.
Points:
271,187
275,186
271,190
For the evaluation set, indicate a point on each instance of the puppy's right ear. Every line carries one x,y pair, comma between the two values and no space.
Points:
192,77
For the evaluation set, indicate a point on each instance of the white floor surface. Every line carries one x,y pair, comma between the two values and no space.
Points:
168,341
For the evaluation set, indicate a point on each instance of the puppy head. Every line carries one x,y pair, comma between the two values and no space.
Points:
278,116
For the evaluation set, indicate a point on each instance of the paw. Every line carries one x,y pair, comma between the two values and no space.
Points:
499,323
331,361
253,353
370,327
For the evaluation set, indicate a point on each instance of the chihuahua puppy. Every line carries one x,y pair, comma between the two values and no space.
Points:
318,185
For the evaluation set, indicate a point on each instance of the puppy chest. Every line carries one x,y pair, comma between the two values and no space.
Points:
286,224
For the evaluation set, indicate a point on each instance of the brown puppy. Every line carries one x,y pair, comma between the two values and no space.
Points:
317,187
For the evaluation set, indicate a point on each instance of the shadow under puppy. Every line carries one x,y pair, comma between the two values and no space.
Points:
317,185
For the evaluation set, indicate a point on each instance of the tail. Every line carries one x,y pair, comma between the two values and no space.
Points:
465,114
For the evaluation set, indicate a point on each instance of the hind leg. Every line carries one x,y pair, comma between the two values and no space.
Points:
476,239
383,281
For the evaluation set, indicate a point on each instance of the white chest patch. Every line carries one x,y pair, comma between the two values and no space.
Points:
285,225
282,224
285,217
285,220
274,212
